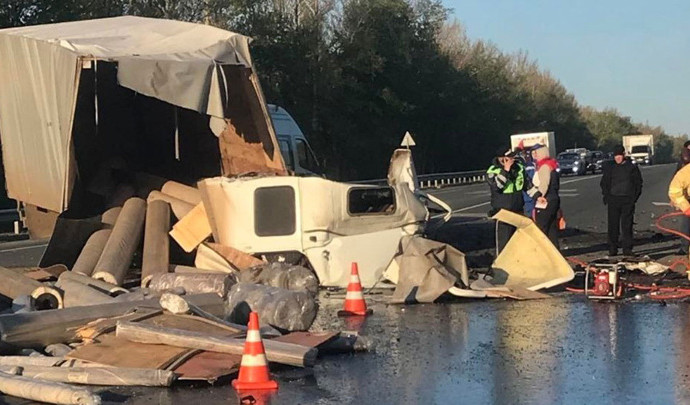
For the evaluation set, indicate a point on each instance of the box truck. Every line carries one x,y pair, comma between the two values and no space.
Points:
529,140
640,148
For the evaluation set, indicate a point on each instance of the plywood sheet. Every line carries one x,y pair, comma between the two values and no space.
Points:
114,351
208,366
308,339
193,229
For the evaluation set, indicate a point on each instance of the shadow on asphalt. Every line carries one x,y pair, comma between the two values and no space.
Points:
476,238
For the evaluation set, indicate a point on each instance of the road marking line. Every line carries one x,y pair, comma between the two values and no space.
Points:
23,248
594,176
471,207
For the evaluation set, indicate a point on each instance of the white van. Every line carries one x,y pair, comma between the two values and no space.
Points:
294,146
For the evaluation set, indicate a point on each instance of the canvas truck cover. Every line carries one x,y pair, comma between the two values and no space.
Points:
176,62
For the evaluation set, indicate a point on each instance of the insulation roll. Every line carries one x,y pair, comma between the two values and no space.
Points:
91,252
156,241
117,255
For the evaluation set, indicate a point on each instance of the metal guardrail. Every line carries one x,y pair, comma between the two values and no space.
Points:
438,180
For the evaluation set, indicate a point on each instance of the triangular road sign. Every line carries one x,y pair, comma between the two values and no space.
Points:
407,140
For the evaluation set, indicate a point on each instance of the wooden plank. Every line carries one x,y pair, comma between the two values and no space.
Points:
192,229
285,353
208,366
118,352
47,273
100,326
235,257
308,339
191,323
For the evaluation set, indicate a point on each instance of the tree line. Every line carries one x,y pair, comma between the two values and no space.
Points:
357,74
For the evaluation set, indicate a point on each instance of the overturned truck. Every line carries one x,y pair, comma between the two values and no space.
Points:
88,105
97,113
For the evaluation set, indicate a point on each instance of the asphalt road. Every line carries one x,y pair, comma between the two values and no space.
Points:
580,199
560,350
473,233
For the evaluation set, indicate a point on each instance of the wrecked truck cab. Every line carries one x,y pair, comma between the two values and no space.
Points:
330,224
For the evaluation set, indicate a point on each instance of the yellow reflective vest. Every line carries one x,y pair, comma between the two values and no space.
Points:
679,189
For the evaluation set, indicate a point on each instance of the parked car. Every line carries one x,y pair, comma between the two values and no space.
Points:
594,160
604,157
571,163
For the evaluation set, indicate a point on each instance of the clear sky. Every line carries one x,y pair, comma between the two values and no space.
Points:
633,55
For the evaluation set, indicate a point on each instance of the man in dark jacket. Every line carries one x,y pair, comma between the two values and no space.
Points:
621,185
507,180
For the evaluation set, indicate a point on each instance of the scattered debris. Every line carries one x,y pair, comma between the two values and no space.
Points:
283,309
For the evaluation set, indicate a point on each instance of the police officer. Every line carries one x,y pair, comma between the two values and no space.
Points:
621,186
507,180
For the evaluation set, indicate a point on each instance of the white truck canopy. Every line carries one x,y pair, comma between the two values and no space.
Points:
176,62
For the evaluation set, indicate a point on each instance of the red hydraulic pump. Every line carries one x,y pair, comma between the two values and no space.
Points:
606,283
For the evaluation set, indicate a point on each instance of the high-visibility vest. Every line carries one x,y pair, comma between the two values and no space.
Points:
511,187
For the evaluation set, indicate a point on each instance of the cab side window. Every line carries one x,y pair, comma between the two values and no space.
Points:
305,156
286,151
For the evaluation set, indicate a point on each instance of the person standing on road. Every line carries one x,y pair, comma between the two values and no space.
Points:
530,171
548,184
684,156
507,180
621,186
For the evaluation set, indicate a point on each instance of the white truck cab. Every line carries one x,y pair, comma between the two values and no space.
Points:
297,153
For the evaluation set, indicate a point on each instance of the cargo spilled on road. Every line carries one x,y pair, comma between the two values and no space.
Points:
183,248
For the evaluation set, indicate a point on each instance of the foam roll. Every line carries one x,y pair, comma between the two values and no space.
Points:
182,191
112,376
110,216
15,284
156,242
76,294
193,283
112,289
88,258
179,207
42,391
117,255
47,298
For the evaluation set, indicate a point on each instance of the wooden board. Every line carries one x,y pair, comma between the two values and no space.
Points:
208,366
100,326
308,339
191,323
48,273
193,229
113,351
235,257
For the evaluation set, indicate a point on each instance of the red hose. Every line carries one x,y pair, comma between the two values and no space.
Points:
662,228
657,223
576,261
670,296
577,290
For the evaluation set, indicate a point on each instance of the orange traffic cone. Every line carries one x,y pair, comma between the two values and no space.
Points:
354,300
254,367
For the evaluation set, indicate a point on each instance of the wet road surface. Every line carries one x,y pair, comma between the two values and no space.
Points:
559,350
